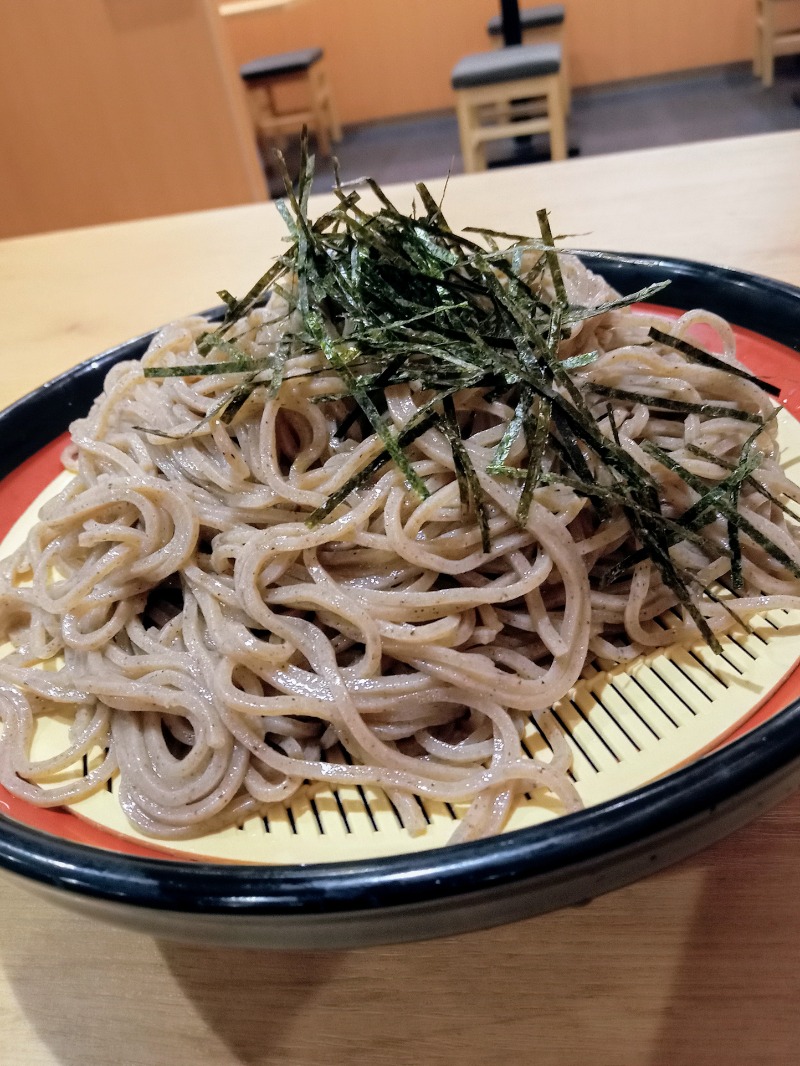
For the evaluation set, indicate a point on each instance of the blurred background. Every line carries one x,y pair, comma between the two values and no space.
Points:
121,109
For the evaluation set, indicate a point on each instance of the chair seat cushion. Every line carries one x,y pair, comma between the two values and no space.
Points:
507,64
531,18
284,63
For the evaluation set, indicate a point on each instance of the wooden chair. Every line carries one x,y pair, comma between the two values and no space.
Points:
512,92
263,75
540,25
772,41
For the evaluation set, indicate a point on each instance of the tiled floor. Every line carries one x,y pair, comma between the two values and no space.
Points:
717,102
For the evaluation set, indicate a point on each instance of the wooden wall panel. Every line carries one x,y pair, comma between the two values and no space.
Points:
393,57
119,109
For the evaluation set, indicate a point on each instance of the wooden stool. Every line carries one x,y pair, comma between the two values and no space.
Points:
262,75
540,25
771,41
512,92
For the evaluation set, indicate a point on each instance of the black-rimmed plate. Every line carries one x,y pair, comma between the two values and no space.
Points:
445,890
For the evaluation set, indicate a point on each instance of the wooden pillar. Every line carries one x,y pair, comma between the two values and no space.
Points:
119,109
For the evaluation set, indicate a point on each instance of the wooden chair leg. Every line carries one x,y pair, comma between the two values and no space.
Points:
757,44
334,125
767,67
767,44
473,153
566,91
333,122
320,123
327,122
557,116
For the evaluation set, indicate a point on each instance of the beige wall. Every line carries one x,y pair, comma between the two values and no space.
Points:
118,109
394,57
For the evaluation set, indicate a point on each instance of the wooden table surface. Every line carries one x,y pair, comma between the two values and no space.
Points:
696,965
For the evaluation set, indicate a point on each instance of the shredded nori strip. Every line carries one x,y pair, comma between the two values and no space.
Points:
391,299
721,505
684,407
700,355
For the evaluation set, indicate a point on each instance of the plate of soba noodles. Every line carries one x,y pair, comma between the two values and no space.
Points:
441,579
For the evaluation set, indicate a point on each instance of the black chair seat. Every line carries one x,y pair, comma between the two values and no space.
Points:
284,63
531,18
507,64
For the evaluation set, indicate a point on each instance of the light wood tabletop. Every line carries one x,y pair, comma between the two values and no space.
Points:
696,965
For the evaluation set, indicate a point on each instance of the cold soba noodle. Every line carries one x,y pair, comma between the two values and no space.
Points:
336,542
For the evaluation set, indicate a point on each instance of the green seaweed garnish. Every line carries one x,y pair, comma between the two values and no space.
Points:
700,355
715,503
684,407
385,299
